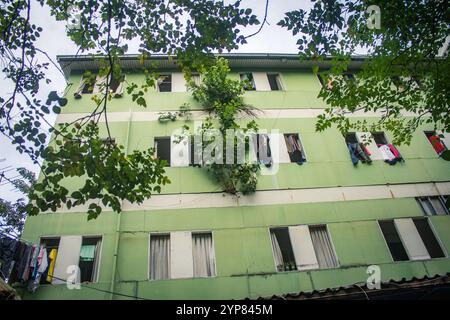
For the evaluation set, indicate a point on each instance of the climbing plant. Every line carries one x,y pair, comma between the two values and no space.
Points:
223,99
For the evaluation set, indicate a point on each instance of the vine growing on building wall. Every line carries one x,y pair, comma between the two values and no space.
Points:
223,99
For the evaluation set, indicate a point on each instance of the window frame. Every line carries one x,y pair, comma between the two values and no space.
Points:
303,151
443,248
439,241
97,276
161,233
441,200
158,83
213,244
252,81
155,145
278,80
333,248
386,243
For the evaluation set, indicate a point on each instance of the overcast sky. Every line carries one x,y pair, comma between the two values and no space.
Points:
272,39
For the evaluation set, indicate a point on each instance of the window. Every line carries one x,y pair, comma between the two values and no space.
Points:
274,81
196,78
426,234
438,143
389,153
261,143
182,254
89,259
393,240
116,85
411,239
249,82
323,247
295,148
432,206
302,248
282,249
358,151
203,255
52,246
162,146
86,86
165,83
159,256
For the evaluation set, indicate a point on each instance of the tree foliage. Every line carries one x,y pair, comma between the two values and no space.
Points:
402,74
13,214
187,30
223,99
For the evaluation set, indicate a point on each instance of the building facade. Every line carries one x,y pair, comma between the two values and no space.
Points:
317,222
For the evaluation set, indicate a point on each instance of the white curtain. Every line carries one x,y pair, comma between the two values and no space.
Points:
203,255
323,247
96,260
159,257
427,206
277,251
437,205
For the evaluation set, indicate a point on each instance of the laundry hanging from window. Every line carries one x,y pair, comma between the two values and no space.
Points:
294,148
22,262
390,154
436,141
358,152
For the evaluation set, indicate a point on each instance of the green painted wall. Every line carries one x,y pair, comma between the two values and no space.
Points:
245,264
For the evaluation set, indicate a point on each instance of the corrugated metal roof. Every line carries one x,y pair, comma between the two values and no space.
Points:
388,289
252,61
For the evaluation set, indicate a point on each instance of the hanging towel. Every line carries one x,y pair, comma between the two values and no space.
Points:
386,152
394,151
87,253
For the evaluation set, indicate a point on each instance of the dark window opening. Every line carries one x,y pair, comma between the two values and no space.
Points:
115,82
283,240
162,146
274,81
393,240
51,245
89,255
88,84
351,138
165,83
379,138
428,238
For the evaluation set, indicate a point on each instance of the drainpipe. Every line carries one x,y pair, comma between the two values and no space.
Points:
119,216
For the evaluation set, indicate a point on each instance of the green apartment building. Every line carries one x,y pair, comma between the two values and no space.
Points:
312,225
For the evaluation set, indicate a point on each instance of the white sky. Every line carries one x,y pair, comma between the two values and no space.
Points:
272,39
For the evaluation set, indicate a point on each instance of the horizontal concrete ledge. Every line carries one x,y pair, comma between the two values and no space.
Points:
274,197
201,115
